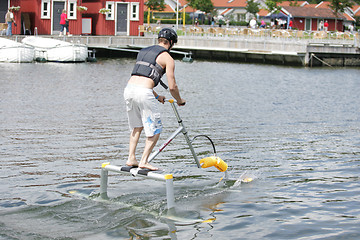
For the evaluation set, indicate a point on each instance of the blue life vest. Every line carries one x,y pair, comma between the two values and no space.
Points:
147,66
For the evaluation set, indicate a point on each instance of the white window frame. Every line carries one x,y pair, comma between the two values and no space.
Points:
72,14
134,11
45,14
111,6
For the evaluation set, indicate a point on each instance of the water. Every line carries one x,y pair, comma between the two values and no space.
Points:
294,130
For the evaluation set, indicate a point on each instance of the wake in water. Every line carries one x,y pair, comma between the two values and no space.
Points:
205,201
187,190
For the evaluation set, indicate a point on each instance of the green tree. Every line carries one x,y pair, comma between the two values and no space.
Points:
339,6
273,5
203,5
252,7
155,5
294,3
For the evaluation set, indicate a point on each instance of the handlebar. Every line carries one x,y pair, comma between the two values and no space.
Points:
173,101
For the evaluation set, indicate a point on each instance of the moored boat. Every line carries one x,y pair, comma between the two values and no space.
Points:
53,50
11,51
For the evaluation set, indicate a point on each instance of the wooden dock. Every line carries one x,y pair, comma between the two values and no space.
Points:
301,52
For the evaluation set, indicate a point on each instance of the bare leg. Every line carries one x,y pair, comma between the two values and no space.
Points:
149,146
134,139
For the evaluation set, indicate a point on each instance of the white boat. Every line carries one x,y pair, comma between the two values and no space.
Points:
11,51
53,50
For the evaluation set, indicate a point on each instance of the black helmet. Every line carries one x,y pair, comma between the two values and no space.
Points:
169,34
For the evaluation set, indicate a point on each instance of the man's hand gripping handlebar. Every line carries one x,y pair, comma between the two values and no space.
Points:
183,102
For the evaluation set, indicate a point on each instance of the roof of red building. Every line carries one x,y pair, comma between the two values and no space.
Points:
323,4
226,11
356,8
229,3
325,13
310,5
357,14
292,3
263,12
349,18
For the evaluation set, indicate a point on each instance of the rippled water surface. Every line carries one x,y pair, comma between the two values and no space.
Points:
294,130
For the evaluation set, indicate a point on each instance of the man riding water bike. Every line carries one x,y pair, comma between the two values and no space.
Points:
141,100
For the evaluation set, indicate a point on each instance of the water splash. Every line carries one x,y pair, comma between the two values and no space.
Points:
245,177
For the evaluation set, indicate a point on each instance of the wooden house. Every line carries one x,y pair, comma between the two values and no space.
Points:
312,19
92,17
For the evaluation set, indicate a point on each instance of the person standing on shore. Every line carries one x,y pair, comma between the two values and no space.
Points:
140,98
9,19
263,24
351,28
326,26
290,24
64,22
221,20
253,23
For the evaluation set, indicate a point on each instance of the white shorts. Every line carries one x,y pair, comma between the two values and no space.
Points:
142,109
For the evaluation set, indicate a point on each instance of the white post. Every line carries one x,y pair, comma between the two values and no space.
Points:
167,178
177,14
103,181
169,191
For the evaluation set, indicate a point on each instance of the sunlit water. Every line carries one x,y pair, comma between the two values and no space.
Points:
294,130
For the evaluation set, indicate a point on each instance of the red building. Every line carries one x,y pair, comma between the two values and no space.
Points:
93,17
309,17
313,19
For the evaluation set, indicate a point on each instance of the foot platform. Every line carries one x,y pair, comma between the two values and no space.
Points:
135,171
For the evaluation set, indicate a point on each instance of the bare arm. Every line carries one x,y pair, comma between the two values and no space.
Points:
170,74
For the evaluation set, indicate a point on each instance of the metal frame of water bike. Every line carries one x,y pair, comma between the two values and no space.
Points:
181,129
